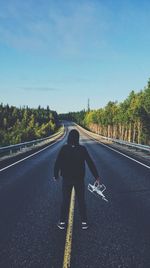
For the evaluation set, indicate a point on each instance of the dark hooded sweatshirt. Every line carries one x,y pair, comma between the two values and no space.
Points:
71,163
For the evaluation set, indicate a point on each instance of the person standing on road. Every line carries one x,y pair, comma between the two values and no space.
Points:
70,164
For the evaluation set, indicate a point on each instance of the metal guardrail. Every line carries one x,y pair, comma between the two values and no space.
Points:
29,144
122,142
131,144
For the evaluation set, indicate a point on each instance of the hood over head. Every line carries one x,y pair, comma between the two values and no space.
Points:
73,137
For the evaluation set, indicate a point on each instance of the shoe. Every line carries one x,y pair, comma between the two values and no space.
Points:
61,225
84,225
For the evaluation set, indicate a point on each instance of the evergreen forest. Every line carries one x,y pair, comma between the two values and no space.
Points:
24,124
128,120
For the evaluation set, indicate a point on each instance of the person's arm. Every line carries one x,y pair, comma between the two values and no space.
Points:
92,166
57,165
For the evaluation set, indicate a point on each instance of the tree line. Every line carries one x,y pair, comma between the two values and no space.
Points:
128,120
24,124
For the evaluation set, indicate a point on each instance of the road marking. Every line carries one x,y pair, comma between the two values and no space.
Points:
15,163
119,152
68,243
125,155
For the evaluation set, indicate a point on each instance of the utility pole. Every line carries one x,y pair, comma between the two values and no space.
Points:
88,105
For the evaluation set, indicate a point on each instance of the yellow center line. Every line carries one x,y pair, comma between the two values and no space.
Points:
68,243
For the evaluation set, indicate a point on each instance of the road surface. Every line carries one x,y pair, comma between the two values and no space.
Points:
119,231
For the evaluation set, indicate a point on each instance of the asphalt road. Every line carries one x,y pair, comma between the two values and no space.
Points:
119,231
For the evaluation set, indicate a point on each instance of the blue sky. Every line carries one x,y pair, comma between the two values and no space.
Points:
60,53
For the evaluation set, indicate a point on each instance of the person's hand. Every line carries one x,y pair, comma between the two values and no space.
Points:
97,181
55,179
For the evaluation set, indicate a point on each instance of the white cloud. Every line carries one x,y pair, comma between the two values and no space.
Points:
40,88
73,30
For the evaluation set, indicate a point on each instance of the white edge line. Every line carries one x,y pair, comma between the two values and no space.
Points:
126,156
21,160
120,152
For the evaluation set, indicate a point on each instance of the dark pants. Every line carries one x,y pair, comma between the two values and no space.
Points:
80,194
